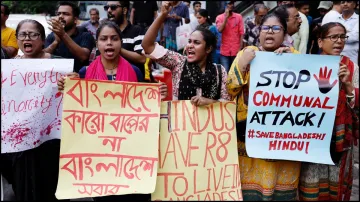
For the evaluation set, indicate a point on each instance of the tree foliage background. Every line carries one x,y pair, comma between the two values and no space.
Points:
33,7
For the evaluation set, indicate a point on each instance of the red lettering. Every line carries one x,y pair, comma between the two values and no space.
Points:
175,103
286,145
191,116
174,186
223,146
195,190
221,118
190,147
307,147
166,180
272,145
308,101
207,150
274,99
11,78
293,145
171,141
285,100
231,117
297,104
225,176
317,103
254,98
324,106
266,99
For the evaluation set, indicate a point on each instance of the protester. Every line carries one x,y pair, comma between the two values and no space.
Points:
110,65
193,16
301,37
204,22
8,38
335,14
289,12
231,27
132,35
179,12
195,78
143,13
320,182
251,36
261,180
92,24
35,172
351,21
66,39
323,9
304,8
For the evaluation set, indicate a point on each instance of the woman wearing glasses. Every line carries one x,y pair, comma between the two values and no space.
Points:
261,179
320,182
34,172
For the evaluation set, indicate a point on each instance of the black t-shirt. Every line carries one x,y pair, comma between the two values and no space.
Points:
144,11
82,38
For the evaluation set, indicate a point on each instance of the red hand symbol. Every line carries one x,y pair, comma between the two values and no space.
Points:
324,80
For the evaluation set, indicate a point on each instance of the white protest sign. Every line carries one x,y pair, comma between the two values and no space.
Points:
31,105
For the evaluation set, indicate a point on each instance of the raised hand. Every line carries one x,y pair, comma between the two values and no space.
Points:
324,80
57,27
166,7
344,73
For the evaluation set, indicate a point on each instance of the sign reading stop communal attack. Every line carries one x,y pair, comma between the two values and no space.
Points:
291,107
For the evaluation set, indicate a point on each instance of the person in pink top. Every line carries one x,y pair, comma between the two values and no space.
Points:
231,26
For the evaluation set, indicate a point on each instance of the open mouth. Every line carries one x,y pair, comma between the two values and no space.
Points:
337,49
27,47
190,53
269,39
109,52
110,16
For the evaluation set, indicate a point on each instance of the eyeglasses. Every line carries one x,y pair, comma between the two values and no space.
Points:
274,28
334,38
32,36
112,7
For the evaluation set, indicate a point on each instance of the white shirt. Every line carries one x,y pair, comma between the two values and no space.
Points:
193,22
331,16
302,36
351,48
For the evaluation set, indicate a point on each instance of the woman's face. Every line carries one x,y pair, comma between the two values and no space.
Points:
271,40
196,48
200,19
330,47
29,40
109,43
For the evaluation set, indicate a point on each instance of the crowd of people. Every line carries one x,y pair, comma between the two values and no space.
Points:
213,67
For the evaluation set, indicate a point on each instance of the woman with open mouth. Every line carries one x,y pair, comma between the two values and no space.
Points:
110,65
195,77
261,180
321,182
33,173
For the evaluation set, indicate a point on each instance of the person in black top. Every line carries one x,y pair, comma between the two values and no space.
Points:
132,35
66,39
143,13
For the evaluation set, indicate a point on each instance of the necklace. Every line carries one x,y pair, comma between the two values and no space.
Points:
113,77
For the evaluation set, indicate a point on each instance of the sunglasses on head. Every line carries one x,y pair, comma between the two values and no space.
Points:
112,7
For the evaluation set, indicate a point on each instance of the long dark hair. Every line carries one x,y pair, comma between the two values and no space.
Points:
324,29
204,13
40,28
209,38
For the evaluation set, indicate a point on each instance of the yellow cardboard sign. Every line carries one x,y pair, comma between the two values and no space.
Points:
198,153
109,143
